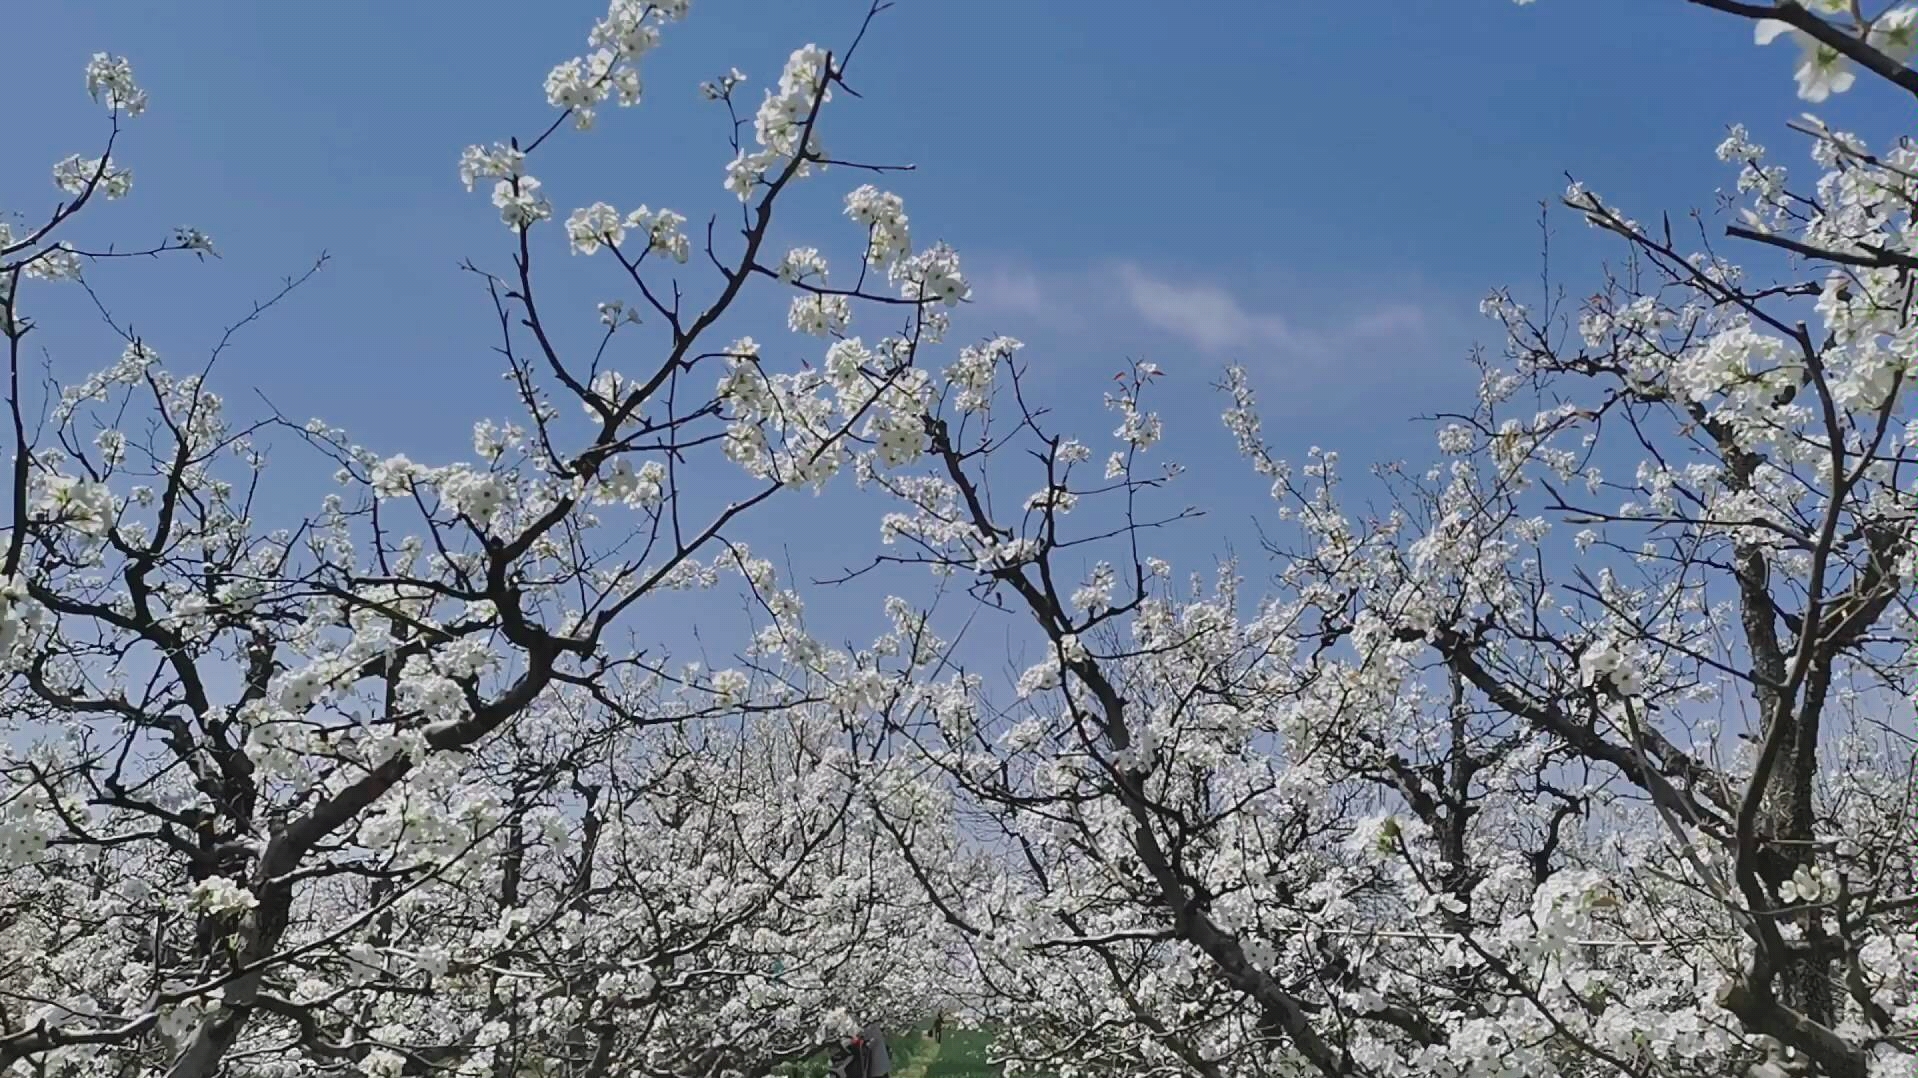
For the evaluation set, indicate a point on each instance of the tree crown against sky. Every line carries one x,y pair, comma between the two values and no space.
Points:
1572,746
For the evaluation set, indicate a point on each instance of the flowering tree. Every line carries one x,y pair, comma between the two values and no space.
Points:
385,787
1463,793
1577,759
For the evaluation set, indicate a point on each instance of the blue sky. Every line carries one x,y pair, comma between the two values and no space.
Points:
1322,191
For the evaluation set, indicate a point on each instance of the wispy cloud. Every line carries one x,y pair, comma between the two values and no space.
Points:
1122,300
1389,321
1340,340
1212,319
1010,288
1205,315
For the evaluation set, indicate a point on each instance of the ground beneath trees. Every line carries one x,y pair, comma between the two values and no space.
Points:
961,1054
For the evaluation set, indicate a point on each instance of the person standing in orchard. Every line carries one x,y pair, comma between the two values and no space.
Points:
862,1055
878,1059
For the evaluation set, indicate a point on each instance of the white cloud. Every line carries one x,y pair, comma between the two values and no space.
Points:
1212,319
1387,321
1202,315
1206,315
1010,288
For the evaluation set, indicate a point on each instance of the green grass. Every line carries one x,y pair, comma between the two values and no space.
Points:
906,1049
963,1055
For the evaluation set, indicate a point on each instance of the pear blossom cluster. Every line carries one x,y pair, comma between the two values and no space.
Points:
598,225
110,82
1823,67
785,124
630,30
75,175
883,215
